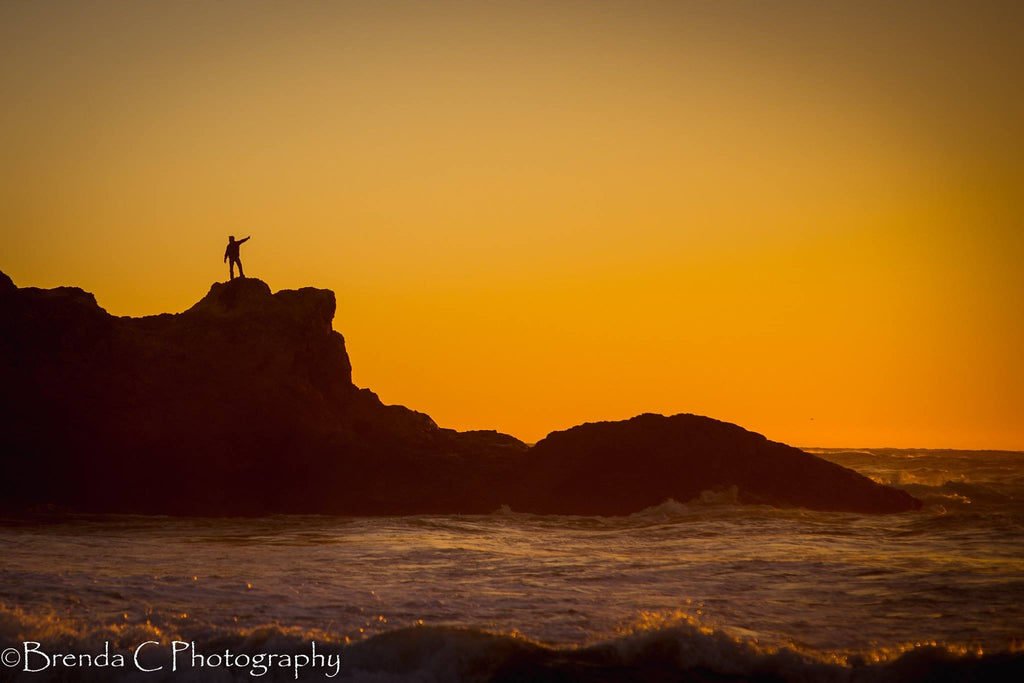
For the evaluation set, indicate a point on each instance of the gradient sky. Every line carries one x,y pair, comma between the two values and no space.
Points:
802,217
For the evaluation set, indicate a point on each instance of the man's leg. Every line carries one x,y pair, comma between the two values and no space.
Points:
240,273
231,267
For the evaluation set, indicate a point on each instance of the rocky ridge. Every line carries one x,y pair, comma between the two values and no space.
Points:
244,405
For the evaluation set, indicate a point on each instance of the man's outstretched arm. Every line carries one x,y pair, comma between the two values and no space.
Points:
244,240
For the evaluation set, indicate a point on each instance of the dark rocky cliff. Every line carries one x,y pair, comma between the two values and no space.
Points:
244,404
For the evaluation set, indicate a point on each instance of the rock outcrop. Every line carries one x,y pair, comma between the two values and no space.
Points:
244,405
619,467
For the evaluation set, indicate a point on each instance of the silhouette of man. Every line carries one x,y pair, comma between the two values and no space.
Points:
232,253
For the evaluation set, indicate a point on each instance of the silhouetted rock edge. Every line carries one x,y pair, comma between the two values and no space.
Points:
244,405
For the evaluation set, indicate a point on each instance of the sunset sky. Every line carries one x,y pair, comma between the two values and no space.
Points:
802,217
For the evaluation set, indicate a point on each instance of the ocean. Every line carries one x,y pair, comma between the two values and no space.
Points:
701,590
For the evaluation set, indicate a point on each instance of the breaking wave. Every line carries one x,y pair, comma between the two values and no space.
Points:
656,648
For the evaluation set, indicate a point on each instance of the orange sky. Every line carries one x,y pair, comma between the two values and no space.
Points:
801,217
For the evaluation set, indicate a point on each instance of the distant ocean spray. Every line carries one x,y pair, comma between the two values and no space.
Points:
704,590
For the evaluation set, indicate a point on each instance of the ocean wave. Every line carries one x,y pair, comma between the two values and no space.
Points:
669,510
656,648
966,496
712,504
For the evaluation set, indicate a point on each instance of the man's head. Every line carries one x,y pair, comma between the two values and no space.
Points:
231,238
